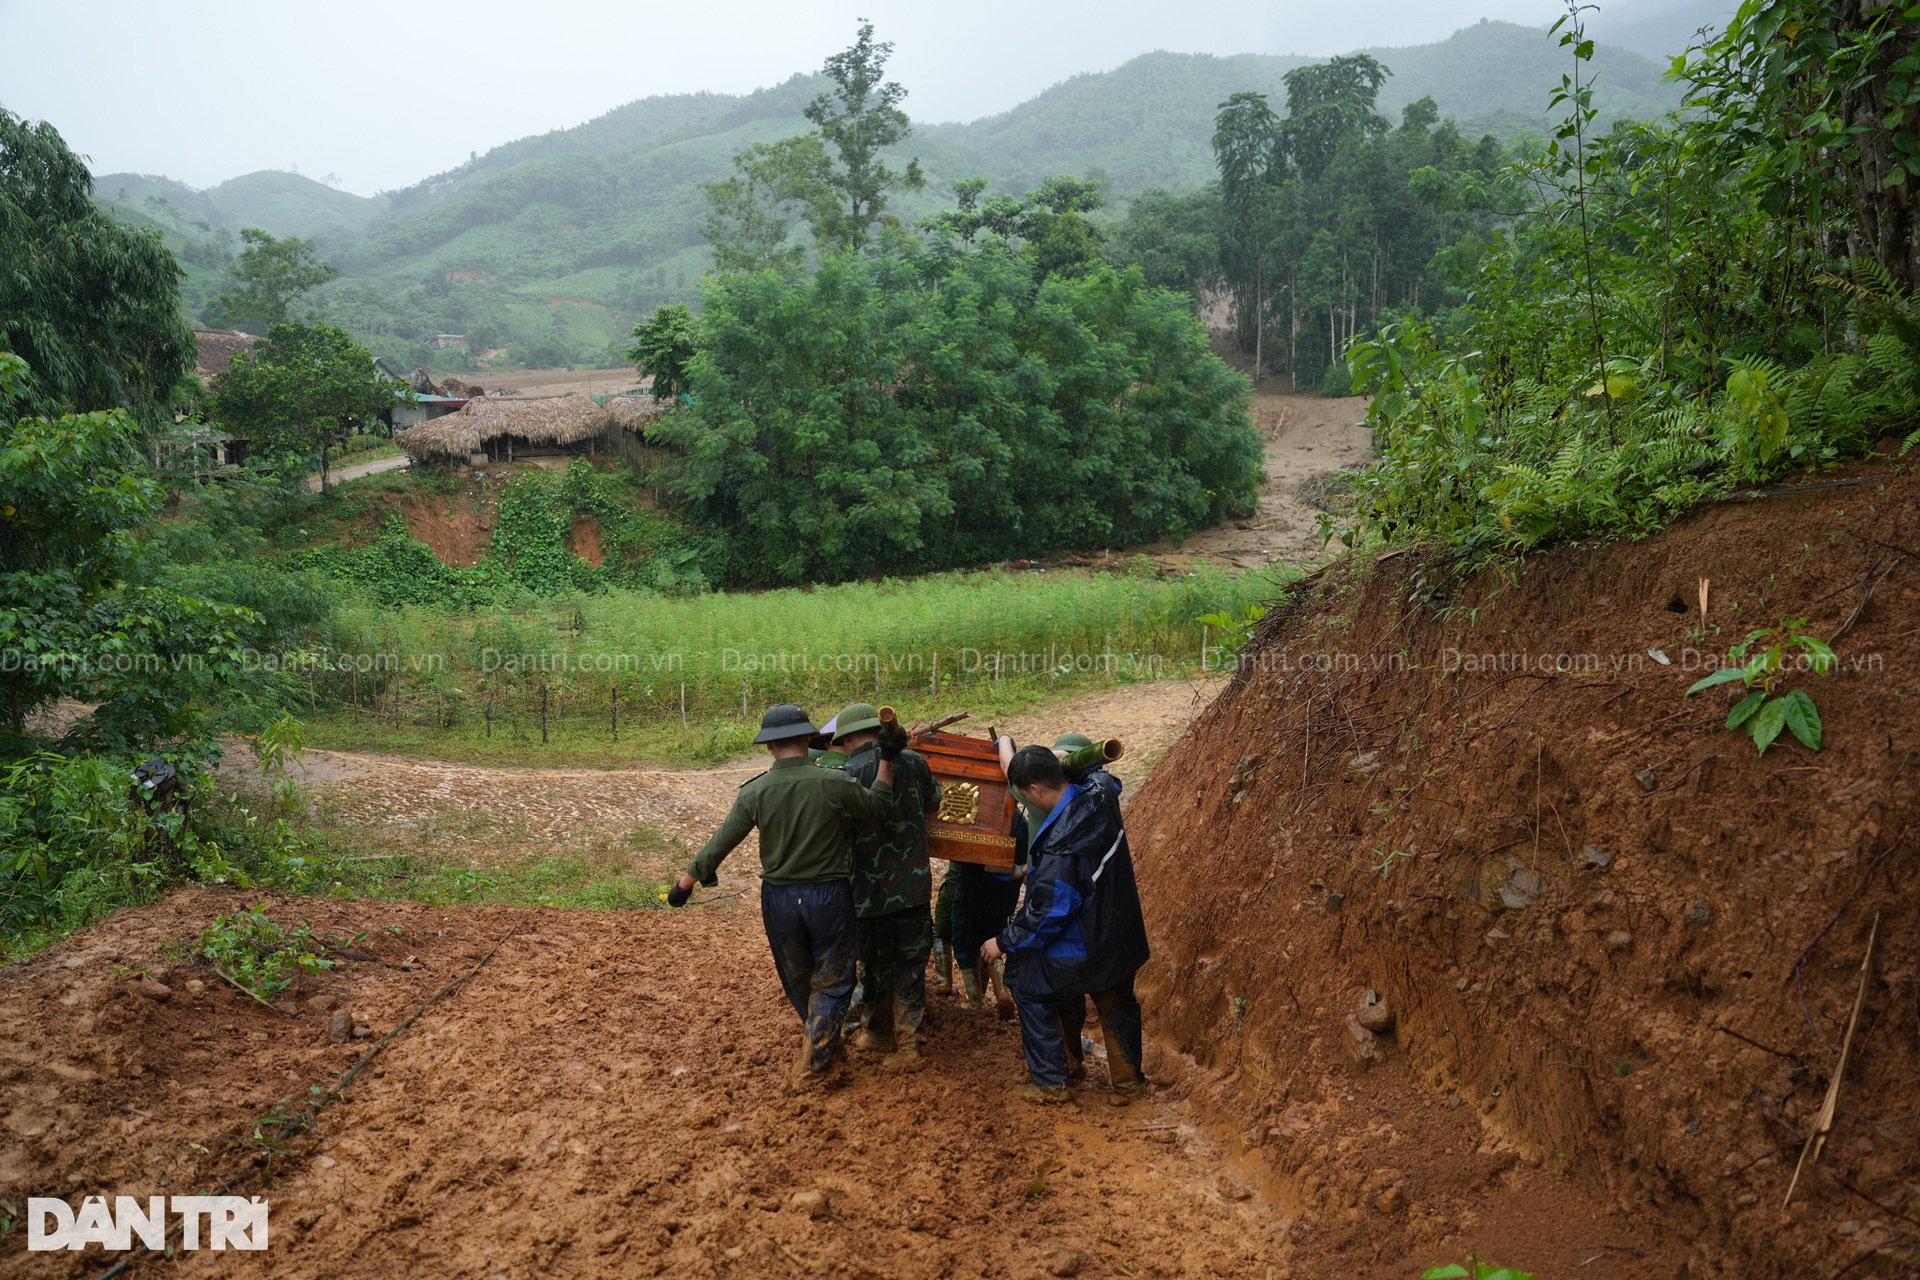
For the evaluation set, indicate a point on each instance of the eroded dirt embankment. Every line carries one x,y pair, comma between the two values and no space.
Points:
1607,925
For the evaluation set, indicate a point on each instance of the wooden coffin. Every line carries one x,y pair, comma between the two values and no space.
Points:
975,820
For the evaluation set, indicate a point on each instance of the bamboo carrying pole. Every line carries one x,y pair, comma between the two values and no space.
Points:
1104,752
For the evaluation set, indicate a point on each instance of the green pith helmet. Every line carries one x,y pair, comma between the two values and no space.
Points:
854,718
782,722
1071,742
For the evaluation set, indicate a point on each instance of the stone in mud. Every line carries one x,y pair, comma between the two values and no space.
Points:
321,1004
339,1027
1365,764
814,1204
1699,911
1335,901
1392,1200
1363,1047
1619,940
196,988
1065,1262
1594,858
150,989
1647,779
1376,1014
1521,889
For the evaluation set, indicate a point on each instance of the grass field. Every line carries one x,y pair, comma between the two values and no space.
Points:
685,679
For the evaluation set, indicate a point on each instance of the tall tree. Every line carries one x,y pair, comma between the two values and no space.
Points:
1247,148
271,275
859,119
751,215
663,345
1835,81
73,498
1326,104
90,305
296,392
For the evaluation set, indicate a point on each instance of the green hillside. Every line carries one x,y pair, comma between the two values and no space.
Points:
559,241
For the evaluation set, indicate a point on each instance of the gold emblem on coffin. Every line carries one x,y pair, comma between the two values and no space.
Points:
959,802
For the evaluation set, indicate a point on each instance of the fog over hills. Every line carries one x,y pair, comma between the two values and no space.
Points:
599,222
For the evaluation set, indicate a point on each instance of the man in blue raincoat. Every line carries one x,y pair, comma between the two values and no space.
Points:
1079,931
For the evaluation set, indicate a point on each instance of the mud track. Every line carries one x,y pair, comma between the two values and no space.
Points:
605,1096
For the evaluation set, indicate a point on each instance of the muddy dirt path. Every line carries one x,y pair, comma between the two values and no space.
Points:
604,1097
489,816
1305,437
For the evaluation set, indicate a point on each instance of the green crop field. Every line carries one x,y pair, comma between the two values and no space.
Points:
681,670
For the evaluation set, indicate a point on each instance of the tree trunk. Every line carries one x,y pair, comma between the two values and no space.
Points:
1259,327
1886,228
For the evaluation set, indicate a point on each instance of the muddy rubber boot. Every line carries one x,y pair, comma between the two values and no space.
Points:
868,1041
1031,1092
942,967
1002,998
803,1078
970,981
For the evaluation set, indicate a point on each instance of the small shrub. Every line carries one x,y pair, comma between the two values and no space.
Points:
1333,490
252,951
1480,1271
1761,713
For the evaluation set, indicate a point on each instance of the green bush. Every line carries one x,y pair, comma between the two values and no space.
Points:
1336,380
926,408
258,954
1673,321
72,843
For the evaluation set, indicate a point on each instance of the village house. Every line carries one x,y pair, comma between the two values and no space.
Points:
509,428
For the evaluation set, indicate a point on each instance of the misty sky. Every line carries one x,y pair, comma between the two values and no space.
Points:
383,94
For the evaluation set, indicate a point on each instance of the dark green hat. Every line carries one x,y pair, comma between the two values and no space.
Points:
853,718
783,722
1071,742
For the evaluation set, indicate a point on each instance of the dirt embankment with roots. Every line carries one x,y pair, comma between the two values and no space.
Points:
1616,938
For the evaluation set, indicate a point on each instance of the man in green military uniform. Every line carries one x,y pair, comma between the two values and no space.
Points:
806,890
892,888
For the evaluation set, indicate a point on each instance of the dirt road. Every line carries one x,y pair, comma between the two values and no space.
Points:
1305,436
353,471
604,1097
490,816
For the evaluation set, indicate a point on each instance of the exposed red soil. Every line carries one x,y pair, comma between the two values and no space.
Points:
583,539
604,1098
458,529
1594,907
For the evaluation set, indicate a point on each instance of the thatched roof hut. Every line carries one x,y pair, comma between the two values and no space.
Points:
635,412
216,348
507,427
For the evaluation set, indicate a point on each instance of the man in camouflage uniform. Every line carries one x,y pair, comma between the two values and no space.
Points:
806,899
892,889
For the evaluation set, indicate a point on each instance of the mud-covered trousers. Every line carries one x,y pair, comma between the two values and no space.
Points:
893,969
1050,1030
810,928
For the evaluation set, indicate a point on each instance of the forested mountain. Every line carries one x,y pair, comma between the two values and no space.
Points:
561,240
1660,29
